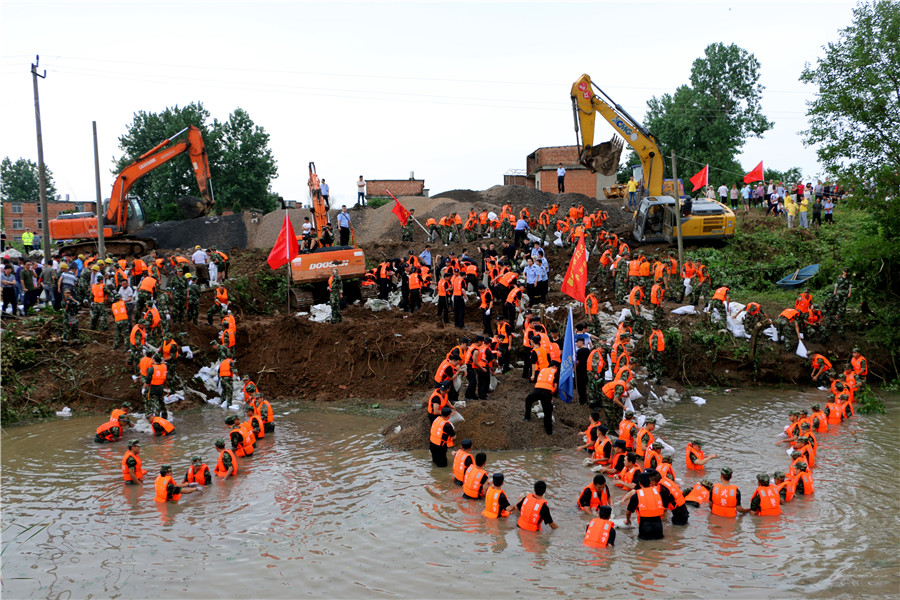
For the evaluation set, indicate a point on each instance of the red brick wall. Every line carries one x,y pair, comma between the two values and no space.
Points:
578,181
398,187
516,180
29,216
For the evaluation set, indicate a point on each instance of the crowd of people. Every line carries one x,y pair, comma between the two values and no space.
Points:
804,205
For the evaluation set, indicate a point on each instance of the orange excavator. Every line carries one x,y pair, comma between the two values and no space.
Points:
312,268
125,215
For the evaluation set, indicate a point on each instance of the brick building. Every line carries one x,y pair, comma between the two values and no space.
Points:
540,173
399,187
19,215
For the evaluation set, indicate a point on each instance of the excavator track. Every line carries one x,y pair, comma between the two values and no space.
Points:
119,246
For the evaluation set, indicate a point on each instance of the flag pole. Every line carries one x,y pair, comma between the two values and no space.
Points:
287,252
409,216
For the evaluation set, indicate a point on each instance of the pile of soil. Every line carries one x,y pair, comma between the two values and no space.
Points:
224,233
496,423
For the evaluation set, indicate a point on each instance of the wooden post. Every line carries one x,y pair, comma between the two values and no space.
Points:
42,173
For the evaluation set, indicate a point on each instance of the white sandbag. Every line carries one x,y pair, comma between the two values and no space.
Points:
771,333
715,317
532,238
494,383
558,241
625,312
688,288
822,388
187,352
628,405
634,394
460,404
789,451
551,309
667,449
684,310
698,400
492,216
65,412
377,305
395,297
320,313
172,398
456,418
801,350
735,308
215,401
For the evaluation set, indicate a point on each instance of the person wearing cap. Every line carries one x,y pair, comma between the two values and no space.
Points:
227,465
657,343
120,320
860,367
645,437
227,371
496,503
725,498
533,509
665,468
131,464
71,307
765,500
649,503
200,259
699,494
653,457
441,437
438,400
198,473
803,482
242,439
818,419
602,448
594,495
110,431
166,490
693,455
120,412
786,488
161,427
254,422
475,478
462,460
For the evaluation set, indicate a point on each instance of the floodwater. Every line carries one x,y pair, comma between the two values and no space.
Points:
324,510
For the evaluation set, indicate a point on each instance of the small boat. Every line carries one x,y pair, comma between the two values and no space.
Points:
798,277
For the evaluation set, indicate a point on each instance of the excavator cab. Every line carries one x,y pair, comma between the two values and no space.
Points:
135,220
655,221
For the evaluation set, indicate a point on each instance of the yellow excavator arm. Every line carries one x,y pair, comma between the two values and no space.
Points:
585,105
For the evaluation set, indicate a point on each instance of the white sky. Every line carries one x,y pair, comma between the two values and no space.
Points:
457,92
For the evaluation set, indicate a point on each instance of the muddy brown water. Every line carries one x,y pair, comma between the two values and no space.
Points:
324,510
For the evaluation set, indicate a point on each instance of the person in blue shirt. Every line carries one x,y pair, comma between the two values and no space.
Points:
325,196
425,256
532,276
522,229
536,251
79,264
343,220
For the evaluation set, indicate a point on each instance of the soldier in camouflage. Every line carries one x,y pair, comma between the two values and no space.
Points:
98,309
337,289
407,230
621,277
164,308
70,318
836,303
82,288
654,358
192,299
177,285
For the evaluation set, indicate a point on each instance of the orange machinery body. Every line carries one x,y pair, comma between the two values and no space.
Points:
116,221
316,266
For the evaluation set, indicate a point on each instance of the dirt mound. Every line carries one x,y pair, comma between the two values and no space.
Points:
224,233
369,355
496,423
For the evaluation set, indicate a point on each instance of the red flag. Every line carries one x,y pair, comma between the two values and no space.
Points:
755,175
399,209
285,247
701,178
576,275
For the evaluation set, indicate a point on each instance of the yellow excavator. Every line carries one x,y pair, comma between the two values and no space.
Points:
655,218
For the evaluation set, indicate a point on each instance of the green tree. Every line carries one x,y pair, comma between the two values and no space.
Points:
159,189
247,164
855,117
20,181
709,120
792,175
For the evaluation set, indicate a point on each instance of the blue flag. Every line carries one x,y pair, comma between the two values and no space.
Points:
567,366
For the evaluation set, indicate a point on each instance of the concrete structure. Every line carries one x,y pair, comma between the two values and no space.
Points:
399,187
19,215
540,173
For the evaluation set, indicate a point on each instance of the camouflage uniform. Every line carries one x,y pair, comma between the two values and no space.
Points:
192,296
227,384
162,305
123,328
178,285
144,299
407,231
787,333
836,304
70,319
337,287
83,286
154,402
654,359
98,311
621,276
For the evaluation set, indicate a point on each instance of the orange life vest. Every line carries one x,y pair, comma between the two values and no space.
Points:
724,500
159,374
626,475
803,302
657,341
220,469
666,470
649,503
860,367
591,306
595,362
169,350
155,318
167,427
698,494
99,292
545,379
144,365
721,294
696,451
808,487
644,269
225,368
790,314
457,284
485,302
459,464
649,457
197,476
138,267
472,482
600,450
790,488
148,284
530,515
105,430
656,294
636,296
492,503
769,501
138,471
673,488
119,311
437,433
221,295
639,447
834,413
598,497
436,410
626,427
138,336
597,533
162,488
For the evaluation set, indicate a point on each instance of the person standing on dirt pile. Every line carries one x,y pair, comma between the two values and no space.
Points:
581,377
192,299
406,234
561,179
836,302
361,192
336,288
343,220
414,282
723,196
220,306
719,301
860,367
544,388
8,281
458,290
632,192
441,437
200,259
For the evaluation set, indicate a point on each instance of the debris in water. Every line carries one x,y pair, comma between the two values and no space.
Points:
698,400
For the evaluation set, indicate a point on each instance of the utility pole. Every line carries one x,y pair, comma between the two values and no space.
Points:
42,175
677,211
98,208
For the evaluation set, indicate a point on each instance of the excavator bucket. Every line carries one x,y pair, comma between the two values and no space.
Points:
192,207
604,158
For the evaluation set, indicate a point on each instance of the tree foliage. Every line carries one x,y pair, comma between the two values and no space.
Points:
20,181
855,118
792,175
709,120
240,162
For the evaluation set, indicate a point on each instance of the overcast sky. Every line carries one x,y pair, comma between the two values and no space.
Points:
457,92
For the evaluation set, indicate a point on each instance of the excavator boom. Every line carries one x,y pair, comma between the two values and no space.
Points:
123,216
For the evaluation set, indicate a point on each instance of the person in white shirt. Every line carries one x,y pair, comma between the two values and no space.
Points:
723,194
127,294
361,191
561,179
201,259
